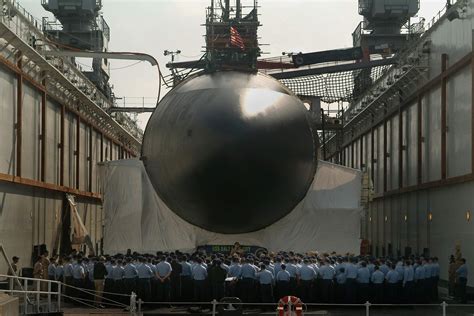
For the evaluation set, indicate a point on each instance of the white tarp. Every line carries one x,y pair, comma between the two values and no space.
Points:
328,218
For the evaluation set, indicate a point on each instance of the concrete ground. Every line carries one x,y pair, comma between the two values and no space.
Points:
451,310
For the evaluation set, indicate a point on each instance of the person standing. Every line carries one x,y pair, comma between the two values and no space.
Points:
38,270
145,275
408,283
78,274
217,276
452,276
340,283
186,280
363,280
52,273
265,280
99,276
130,277
68,279
351,282
248,275
377,278
292,269
283,282
419,283
392,285
307,276
199,274
327,276
233,273
14,266
163,273
175,279
45,264
435,276
461,281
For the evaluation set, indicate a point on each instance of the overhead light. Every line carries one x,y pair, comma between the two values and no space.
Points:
468,216
406,218
430,216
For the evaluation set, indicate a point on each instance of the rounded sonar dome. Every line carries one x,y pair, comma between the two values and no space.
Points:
230,152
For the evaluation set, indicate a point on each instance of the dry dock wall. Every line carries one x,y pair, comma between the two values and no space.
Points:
421,158
46,151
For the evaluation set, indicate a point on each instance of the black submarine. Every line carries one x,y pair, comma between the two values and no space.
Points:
229,149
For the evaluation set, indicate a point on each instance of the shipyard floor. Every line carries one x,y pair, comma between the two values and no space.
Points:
333,311
453,310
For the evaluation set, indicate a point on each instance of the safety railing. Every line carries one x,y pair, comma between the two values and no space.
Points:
46,296
36,295
216,308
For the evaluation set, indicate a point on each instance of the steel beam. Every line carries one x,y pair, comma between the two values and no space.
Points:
427,185
49,186
352,154
419,126
131,109
78,150
333,69
400,148
444,122
19,118
61,145
372,155
472,116
43,137
101,146
90,157
385,156
104,55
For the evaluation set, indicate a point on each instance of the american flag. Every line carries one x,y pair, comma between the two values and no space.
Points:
236,39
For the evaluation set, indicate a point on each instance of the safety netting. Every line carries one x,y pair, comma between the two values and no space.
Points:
345,86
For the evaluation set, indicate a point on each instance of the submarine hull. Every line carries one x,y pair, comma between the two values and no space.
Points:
230,152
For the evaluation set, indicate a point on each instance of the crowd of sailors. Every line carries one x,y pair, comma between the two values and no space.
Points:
265,278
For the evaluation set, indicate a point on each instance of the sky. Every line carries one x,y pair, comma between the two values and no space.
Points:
152,26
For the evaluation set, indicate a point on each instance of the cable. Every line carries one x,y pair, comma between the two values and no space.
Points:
93,291
128,66
82,300
77,300
194,56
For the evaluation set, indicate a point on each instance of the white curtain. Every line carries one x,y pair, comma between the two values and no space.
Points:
327,219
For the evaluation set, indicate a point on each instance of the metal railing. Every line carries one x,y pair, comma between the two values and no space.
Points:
367,308
36,295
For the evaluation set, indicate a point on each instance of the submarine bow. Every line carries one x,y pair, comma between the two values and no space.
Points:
230,152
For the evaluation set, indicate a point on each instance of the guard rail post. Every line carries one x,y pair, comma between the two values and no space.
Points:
133,303
49,294
59,295
140,306
25,286
214,307
444,305
367,308
10,284
38,295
